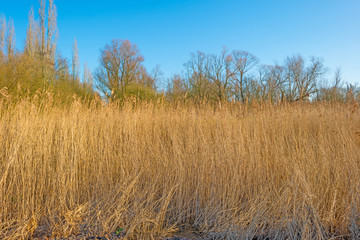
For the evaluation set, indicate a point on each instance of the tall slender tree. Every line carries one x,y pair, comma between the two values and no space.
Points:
42,19
30,45
2,33
51,32
47,31
75,65
10,39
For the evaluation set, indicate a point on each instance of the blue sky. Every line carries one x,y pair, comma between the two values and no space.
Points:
167,31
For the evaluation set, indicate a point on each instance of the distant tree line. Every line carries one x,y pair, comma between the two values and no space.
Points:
237,76
233,76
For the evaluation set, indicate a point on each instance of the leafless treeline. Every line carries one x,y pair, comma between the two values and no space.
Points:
238,76
229,76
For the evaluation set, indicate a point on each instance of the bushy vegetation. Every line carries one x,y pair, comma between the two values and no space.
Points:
39,68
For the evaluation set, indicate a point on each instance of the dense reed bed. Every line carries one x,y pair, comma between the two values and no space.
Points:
153,171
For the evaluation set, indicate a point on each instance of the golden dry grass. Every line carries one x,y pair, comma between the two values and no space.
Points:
285,172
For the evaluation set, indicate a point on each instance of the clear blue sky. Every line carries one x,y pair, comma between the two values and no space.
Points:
167,31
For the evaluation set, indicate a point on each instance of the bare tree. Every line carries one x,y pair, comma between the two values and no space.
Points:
42,19
177,87
30,44
242,62
47,31
333,92
272,80
336,90
10,39
88,77
219,71
337,78
62,68
37,40
75,65
2,32
301,80
196,75
155,75
120,62
146,79
51,32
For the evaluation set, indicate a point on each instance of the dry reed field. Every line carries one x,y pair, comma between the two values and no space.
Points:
156,171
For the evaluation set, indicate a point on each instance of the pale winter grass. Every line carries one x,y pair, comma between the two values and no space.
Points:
288,172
